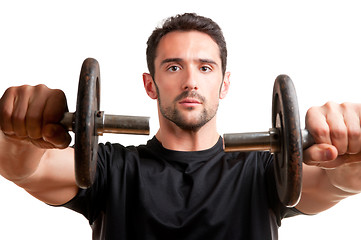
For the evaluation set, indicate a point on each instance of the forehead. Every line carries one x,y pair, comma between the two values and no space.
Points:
187,45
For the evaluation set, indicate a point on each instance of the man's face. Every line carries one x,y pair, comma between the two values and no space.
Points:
188,78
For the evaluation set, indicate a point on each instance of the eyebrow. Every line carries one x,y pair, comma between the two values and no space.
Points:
168,60
210,61
202,60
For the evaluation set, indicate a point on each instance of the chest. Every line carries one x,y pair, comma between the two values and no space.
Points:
212,191
223,199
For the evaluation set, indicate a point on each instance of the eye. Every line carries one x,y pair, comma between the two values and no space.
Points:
173,69
205,69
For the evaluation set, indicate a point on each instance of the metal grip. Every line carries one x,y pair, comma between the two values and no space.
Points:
105,123
260,141
252,141
68,121
121,124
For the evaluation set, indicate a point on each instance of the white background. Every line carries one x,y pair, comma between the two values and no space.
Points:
317,43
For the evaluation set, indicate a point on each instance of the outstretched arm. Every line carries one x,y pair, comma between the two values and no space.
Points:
333,170
33,146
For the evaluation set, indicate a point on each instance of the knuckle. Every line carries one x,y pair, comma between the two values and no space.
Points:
59,94
23,89
349,109
311,114
59,100
331,109
322,132
312,110
41,87
347,105
330,105
10,91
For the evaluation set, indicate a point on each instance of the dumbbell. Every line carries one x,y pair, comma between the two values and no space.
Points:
285,140
87,123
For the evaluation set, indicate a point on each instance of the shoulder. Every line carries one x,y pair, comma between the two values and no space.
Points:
254,159
115,153
115,150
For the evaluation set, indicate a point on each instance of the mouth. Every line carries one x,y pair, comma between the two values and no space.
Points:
190,102
190,99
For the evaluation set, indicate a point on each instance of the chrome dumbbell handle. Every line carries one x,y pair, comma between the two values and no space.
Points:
261,141
105,123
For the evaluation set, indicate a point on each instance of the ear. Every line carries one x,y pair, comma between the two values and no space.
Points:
149,86
225,85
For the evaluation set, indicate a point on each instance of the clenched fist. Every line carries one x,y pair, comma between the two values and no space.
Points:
33,113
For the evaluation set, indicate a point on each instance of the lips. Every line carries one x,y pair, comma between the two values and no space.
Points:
190,103
190,100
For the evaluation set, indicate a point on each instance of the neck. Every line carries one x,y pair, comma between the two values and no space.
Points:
174,138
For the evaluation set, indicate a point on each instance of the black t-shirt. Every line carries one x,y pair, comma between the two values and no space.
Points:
149,192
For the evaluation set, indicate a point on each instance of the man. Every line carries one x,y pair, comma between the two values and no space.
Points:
181,185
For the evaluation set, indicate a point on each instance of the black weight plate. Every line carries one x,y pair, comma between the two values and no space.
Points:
288,161
86,138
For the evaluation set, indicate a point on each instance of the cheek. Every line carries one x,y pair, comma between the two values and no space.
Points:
212,99
216,91
168,88
165,94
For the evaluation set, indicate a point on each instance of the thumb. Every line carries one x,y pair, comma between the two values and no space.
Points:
322,155
56,135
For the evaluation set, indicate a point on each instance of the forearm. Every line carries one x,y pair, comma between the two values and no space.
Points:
47,174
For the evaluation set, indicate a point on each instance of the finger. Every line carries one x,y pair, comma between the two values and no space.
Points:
34,117
338,129
55,107
7,106
320,155
316,124
54,110
56,135
352,122
21,104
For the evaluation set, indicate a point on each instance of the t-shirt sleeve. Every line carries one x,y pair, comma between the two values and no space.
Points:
89,202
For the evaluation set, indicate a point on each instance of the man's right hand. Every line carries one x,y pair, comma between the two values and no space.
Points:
33,113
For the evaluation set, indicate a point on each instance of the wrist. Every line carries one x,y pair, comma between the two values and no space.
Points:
346,178
19,159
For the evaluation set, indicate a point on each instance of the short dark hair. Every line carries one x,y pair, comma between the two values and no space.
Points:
186,22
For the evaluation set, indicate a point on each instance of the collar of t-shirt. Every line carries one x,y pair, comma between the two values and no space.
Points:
189,158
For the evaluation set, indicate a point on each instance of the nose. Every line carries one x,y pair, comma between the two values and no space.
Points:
190,80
